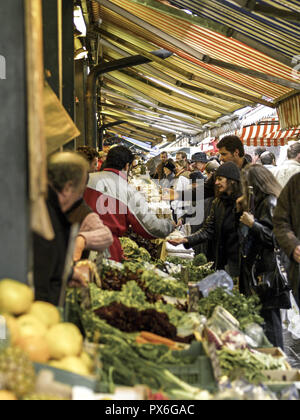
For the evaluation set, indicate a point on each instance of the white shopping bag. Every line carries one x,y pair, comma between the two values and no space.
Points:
291,319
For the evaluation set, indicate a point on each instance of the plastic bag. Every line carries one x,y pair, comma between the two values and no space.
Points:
215,281
223,330
291,333
291,319
191,323
256,337
244,391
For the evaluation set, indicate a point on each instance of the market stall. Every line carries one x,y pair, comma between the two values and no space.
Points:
163,324
143,329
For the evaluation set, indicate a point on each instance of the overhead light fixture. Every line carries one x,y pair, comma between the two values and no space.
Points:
79,21
80,51
81,54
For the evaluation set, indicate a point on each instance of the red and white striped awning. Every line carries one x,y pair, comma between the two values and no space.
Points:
267,134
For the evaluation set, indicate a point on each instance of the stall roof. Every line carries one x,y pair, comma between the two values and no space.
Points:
225,57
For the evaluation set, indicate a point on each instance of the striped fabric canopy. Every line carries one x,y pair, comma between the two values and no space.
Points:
225,57
267,134
274,32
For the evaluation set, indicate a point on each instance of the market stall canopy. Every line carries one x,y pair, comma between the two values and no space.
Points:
267,133
225,57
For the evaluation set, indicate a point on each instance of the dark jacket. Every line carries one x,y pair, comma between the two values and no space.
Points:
287,227
49,256
260,244
221,227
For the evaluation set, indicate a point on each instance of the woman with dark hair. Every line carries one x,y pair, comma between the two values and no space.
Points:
169,171
221,226
258,249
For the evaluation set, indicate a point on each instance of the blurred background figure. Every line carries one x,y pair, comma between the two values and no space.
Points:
199,162
159,172
182,169
101,159
289,168
268,160
257,154
182,156
91,155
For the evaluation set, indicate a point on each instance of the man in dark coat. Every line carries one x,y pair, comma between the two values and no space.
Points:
67,177
287,229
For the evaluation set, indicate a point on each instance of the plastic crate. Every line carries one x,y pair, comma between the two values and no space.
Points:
199,374
195,349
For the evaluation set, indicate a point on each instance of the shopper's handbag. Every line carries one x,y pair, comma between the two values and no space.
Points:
273,287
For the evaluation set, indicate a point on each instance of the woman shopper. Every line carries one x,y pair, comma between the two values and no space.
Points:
169,171
174,180
221,226
258,257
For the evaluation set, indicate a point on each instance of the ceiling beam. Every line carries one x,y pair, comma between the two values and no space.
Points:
92,81
154,114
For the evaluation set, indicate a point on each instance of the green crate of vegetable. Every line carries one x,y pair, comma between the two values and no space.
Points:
199,374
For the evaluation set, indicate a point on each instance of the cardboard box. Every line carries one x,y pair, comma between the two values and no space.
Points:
273,351
289,376
276,352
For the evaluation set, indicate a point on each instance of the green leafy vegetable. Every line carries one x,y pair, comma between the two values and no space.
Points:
245,310
247,364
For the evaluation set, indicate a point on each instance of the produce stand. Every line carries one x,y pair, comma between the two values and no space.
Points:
142,342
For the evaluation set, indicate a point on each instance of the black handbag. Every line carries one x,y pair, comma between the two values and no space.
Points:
274,287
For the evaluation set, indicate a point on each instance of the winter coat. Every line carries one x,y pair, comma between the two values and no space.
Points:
49,256
287,227
221,227
97,236
260,246
120,206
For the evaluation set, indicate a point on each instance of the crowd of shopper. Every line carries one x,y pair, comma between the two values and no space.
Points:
249,208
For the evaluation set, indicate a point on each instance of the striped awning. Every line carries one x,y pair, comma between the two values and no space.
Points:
275,32
268,133
289,112
225,57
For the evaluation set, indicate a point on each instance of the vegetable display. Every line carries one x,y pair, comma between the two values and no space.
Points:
245,310
132,320
247,364
146,244
133,252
